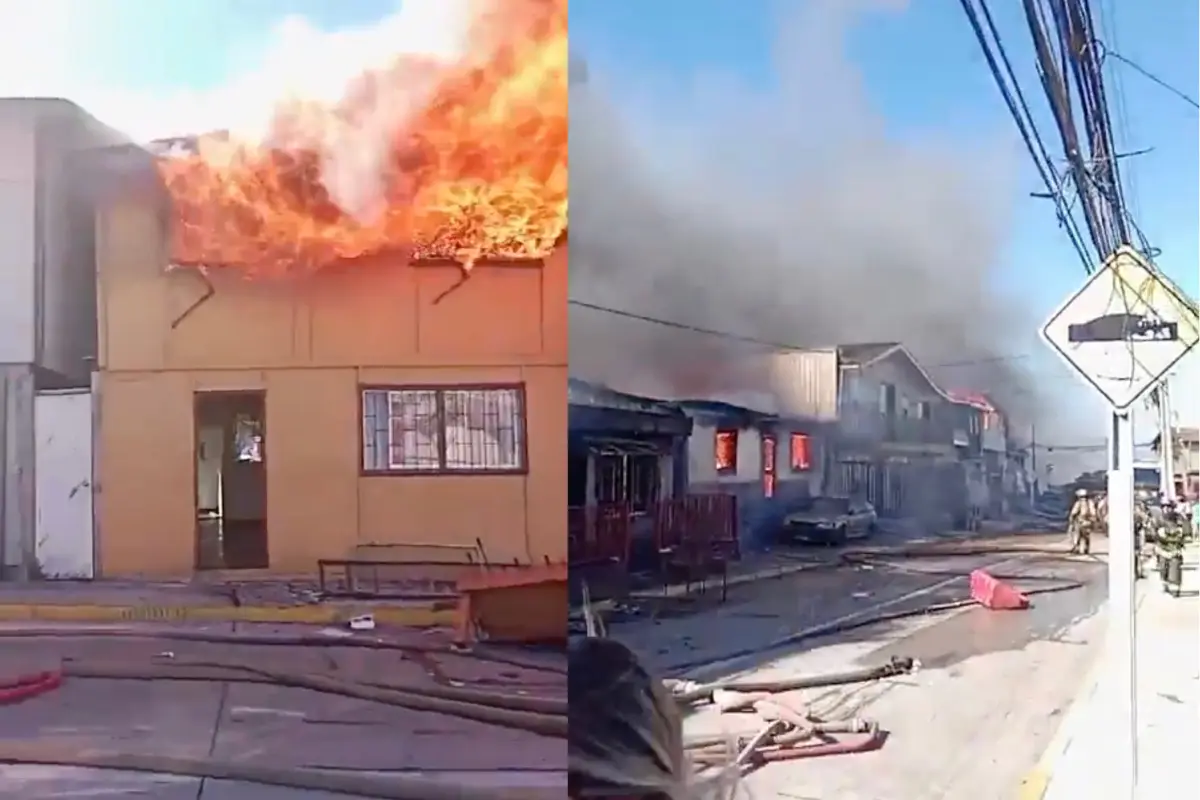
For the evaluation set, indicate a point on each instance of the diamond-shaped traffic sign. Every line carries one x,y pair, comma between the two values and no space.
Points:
1124,329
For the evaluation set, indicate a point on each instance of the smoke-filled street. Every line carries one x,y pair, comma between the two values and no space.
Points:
985,700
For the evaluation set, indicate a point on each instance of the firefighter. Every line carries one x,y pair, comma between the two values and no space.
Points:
1084,517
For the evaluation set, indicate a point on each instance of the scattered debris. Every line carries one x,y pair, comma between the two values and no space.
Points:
363,622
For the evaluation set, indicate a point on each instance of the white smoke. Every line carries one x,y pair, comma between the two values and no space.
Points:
789,214
296,61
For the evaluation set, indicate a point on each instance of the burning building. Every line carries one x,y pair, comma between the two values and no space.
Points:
288,373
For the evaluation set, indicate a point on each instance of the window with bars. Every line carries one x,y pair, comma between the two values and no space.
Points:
453,429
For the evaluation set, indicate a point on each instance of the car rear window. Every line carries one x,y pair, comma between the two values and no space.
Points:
831,505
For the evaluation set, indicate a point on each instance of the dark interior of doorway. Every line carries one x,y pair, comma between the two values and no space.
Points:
231,480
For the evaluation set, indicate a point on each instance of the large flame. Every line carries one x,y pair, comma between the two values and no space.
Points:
463,160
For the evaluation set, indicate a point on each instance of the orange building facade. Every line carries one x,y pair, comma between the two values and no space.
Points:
264,425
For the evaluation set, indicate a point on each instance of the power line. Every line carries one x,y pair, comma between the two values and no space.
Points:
1083,448
1010,90
1148,75
734,337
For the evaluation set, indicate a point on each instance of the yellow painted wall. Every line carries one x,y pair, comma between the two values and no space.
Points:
310,344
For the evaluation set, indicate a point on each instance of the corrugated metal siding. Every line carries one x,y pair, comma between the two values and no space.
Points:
800,384
859,417
805,384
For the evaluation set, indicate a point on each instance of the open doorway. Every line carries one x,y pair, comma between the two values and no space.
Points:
231,480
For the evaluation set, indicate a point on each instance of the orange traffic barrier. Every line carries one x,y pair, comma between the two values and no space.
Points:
993,593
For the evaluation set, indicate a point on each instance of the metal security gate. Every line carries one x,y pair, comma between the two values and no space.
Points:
64,523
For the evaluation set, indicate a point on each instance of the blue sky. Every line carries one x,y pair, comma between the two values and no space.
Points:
157,69
924,72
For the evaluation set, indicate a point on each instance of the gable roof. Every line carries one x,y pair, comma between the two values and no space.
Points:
860,355
973,399
864,355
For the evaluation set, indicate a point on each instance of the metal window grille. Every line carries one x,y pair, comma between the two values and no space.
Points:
430,430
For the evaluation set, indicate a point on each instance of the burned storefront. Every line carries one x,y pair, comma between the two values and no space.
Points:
626,456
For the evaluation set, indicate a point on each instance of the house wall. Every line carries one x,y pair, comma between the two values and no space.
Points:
310,344
702,456
758,515
864,426
994,436
18,226
905,465
48,284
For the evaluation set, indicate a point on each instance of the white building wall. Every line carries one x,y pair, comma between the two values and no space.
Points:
702,466
47,234
18,302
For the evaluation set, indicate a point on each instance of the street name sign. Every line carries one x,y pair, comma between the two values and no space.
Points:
1124,329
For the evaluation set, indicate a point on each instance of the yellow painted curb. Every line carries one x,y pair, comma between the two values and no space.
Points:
408,616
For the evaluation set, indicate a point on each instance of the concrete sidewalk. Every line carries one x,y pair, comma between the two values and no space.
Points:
1168,707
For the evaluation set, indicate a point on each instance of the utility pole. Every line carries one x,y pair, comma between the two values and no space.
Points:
1166,449
1033,473
1122,598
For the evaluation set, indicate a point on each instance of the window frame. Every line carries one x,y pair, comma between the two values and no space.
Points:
732,468
440,389
626,484
769,449
808,454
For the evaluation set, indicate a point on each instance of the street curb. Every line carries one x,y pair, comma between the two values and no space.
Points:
408,616
678,590
1036,782
726,664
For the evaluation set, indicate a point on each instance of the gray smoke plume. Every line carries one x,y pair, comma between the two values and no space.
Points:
789,215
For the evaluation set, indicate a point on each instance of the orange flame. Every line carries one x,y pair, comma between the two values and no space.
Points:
477,170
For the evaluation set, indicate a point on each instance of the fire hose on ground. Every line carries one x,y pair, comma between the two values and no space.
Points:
310,640
869,619
544,716
24,687
789,733
290,777
786,729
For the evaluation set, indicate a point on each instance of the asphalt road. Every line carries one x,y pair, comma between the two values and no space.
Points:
970,723
260,724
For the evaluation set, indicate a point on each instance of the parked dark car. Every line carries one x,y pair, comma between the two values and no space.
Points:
830,521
